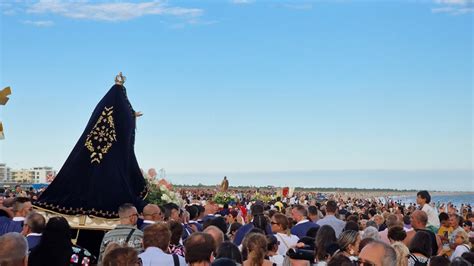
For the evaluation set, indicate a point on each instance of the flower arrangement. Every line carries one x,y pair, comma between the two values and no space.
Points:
260,197
161,192
224,197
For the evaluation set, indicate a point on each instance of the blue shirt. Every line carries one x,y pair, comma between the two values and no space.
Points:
302,227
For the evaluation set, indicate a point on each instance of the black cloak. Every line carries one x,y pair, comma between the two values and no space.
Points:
102,172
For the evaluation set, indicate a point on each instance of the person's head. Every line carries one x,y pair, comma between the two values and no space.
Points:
392,220
396,233
210,207
152,212
216,234
467,226
199,248
260,221
176,229
233,229
299,213
157,235
331,207
326,234
439,261
313,213
419,219
379,254
34,223
22,207
272,243
349,242
402,253
220,223
128,214
171,212
55,243
378,219
423,197
454,220
193,211
256,209
444,219
229,250
371,232
279,223
122,256
18,188
256,245
351,225
421,243
461,238
13,250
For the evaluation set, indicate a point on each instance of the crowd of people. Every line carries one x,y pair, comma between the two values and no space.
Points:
300,229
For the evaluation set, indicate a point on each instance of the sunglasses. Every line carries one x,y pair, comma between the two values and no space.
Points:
273,223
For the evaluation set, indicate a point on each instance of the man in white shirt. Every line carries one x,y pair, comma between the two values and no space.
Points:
423,199
156,239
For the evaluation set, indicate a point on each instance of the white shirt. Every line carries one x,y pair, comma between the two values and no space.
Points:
302,221
156,256
286,242
277,259
34,234
460,249
432,215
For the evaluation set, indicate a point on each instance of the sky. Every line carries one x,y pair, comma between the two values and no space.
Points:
247,86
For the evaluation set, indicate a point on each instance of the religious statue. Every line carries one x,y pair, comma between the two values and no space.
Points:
101,172
224,184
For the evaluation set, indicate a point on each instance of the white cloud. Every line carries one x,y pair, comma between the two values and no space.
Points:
39,23
454,2
116,11
242,2
299,6
454,7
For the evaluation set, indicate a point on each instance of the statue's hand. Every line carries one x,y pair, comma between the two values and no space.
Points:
138,114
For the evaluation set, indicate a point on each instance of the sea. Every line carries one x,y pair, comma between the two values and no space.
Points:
455,198
431,180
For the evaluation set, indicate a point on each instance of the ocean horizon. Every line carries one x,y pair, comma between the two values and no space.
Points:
432,180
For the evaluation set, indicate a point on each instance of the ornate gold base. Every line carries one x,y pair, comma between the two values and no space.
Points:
81,221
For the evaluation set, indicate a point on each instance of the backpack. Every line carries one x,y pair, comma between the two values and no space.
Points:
417,261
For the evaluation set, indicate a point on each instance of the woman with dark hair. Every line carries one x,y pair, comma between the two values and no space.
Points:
175,246
420,248
272,250
229,250
261,222
233,229
55,247
324,237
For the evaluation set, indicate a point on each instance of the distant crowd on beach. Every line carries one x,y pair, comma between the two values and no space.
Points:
250,228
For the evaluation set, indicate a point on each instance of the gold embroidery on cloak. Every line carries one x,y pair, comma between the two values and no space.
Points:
102,136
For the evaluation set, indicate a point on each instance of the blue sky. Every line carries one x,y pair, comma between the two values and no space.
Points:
246,86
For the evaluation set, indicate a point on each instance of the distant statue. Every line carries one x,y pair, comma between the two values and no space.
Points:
225,184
